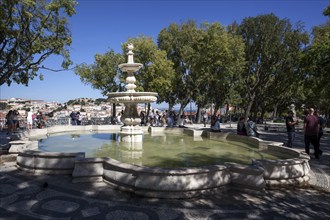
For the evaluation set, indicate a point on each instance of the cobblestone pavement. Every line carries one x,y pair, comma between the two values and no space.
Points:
28,196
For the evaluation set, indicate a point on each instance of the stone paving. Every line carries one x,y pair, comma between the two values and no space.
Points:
28,196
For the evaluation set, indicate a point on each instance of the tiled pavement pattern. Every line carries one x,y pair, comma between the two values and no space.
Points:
26,196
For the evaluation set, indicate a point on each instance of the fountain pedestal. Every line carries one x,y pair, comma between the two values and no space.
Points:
131,131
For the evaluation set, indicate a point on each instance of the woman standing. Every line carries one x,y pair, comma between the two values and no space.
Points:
10,122
29,120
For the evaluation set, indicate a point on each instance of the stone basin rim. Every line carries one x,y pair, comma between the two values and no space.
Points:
135,94
158,182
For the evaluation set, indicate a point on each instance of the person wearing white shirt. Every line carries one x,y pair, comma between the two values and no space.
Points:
29,119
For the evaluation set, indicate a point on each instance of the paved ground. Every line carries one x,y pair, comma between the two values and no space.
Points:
26,196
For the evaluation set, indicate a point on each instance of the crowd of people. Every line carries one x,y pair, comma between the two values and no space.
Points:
76,118
313,124
159,119
313,127
247,127
32,120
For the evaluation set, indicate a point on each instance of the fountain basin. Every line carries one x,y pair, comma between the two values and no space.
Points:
133,97
130,67
175,183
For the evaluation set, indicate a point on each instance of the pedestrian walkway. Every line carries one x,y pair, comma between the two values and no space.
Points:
28,196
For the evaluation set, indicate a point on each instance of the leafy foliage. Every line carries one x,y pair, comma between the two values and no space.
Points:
272,51
218,63
179,42
157,73
104,73
31,31
316,61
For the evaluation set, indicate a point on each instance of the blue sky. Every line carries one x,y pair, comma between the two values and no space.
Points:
100,25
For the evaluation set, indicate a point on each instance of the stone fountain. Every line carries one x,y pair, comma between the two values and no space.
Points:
182,182
131,131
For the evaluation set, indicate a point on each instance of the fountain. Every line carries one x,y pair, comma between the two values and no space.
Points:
131,131
161,182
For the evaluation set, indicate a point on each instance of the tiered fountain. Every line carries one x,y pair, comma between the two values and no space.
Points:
131,131
185,181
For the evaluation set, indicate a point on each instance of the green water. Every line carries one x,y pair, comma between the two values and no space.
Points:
170,151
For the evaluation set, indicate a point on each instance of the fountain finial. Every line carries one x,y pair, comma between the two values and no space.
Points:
130,53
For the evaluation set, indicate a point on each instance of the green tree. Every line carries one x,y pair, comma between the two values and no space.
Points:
157,73
272,48
104,73
30,32
217,63
3,106
178,41
317,67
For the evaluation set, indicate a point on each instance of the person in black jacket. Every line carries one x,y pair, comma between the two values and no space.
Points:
290,127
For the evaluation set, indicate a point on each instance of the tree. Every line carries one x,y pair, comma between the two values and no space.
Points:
317,67
272,48
30,32
157,73
217,64
178,41
3,106
104,73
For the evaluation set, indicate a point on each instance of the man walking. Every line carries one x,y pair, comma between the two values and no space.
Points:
311,129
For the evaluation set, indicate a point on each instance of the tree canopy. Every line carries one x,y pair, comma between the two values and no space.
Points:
157,73
104,73
316,61
272,52
30,32
264,64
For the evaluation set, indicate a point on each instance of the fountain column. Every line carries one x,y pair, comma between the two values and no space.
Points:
131,131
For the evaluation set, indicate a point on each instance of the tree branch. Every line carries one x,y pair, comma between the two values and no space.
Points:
46,68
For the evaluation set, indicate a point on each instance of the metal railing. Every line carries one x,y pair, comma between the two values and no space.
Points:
49,122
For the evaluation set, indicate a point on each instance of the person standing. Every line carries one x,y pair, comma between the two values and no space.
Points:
290,128
10,122
79,118
311,130
73,117
205,116
142,118
118,118
15,120
321,127
29,120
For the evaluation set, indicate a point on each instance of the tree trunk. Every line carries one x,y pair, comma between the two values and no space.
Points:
275,112
170,107
249,106
198,116
113,121
147,115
